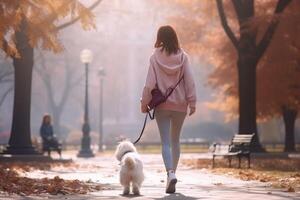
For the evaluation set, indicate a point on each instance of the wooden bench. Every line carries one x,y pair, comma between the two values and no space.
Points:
52,144
239,147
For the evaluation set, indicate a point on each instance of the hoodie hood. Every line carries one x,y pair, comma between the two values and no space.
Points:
170,64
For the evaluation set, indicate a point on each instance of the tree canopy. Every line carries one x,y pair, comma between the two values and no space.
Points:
278,70
42,18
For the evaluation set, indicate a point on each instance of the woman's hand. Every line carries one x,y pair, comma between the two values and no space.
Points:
143,108
192,110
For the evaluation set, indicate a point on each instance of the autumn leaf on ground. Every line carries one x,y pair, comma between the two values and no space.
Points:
13,182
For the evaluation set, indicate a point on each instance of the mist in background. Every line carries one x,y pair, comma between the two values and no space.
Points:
122,45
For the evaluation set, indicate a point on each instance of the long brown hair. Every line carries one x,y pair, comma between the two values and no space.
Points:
45,118
167,39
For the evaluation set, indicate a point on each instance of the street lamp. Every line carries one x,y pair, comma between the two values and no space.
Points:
101,75
86,57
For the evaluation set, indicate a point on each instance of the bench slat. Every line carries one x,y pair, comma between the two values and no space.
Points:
242,137
241,140
227,154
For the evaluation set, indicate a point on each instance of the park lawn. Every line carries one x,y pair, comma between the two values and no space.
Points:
279,173
156,149
13,181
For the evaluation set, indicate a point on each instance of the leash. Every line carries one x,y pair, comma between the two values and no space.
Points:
168,93
144,125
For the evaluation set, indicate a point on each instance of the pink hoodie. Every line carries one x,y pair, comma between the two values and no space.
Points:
169,69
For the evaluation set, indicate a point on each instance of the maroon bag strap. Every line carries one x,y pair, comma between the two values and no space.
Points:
170,90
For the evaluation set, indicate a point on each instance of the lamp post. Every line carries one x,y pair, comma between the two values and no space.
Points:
101,74
86,57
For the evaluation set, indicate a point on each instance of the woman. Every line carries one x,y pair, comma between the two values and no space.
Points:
167,65
49,140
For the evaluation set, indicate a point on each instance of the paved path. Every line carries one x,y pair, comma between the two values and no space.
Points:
193,184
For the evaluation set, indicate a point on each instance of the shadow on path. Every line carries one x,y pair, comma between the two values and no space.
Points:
258,191
176,196
130,196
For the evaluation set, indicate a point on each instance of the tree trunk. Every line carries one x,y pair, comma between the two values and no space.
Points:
56,121
56,110
249,53
247,101
289,118
247,62
20,139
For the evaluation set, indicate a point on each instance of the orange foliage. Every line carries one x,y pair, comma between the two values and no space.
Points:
278,71
280,173
42,18
12,182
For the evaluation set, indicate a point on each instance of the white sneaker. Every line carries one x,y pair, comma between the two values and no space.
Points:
171,182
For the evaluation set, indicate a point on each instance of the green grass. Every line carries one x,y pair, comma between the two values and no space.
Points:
184,149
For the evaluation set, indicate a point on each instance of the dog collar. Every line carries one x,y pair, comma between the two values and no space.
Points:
125,153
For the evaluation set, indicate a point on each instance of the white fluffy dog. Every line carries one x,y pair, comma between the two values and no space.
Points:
131,167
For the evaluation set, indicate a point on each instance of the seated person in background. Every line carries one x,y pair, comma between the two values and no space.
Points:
50,142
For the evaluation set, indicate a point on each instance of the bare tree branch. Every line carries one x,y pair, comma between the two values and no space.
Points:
47,79
78,80
4,75
243,9
62,26
225,25
281,5
5,47
5,95
67,86
237,4
267,38
6,81
41,67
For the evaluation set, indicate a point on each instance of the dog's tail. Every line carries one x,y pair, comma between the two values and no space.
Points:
129,162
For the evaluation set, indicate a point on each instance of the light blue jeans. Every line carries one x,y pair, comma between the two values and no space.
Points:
169,124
